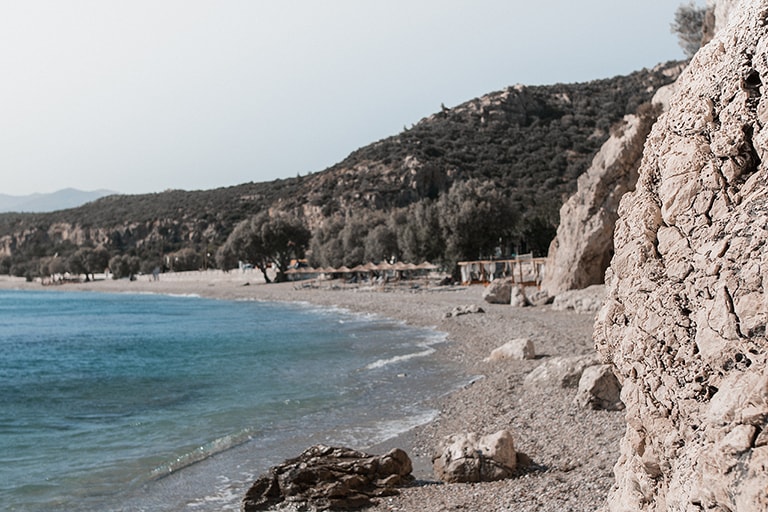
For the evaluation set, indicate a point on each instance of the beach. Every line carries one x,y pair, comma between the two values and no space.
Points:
573,449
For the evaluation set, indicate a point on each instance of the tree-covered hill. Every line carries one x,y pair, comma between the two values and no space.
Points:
526,144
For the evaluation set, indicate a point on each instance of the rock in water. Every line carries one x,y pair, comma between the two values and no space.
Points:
471,458
325,477
685,316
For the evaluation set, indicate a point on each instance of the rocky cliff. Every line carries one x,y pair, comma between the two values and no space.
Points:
685,318
582,249
583,246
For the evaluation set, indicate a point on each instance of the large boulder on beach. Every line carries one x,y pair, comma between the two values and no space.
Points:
599,389
685,317
517,349
325,477
498,291
587,300
560,372
473,458
518,297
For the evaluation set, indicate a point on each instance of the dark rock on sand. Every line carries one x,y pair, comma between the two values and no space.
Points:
325,477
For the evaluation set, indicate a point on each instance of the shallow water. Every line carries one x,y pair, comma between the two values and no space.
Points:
149,402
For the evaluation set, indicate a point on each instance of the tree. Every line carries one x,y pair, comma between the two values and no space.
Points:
88,261
185,259
245,244
265,240
326,247
124,266
475,219
419,236
5,265
284,237
380,244
689,27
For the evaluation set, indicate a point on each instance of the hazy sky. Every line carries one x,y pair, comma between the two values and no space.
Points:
140,96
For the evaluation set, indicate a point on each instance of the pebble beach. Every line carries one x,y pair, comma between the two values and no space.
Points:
572,449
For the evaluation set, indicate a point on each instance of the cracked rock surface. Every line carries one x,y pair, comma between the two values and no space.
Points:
686,310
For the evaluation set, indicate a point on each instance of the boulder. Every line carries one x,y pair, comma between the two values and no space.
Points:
517,349
560,372
684,321
498,291
472,458
325,477
517,297
599,389
587,300
471,309
538,297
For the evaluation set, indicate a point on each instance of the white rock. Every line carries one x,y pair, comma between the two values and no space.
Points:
587,300
599,389
517,297
472,458
498,291
517,349
562,372
684,320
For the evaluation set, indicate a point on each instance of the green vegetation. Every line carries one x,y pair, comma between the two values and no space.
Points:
482,179
689,27
265,240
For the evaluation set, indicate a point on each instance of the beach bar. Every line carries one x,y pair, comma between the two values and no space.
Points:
524,269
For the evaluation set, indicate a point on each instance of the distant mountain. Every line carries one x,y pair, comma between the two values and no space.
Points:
59,200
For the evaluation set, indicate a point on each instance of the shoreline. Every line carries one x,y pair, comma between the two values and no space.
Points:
573,449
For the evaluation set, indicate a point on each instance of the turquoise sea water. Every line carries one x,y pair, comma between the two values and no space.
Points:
150,402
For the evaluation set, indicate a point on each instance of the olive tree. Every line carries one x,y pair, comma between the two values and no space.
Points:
88,261
265,240
689,27
475,218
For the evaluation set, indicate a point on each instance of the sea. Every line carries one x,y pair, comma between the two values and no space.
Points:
144,402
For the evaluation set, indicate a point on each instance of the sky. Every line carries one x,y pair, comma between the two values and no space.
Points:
142,96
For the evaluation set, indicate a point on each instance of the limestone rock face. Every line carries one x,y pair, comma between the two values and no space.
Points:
472,458
582,249
685,318
325,477
583,246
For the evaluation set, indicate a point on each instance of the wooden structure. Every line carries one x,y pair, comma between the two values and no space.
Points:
524,270
369,271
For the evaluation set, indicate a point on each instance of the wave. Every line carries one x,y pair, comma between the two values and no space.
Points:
427,346
397,359
202,453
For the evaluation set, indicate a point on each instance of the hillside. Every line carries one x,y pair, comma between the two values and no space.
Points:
527,143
